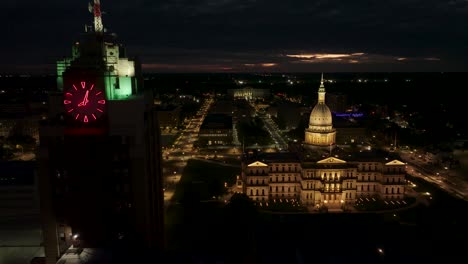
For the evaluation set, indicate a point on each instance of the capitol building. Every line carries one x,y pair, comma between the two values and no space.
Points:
320,178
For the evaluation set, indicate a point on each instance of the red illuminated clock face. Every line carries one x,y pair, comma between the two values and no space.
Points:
84,102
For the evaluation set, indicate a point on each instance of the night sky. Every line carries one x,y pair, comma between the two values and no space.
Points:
247,35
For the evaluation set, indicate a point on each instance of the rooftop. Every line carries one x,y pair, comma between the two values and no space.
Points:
271,157
367,155
17,173
217,121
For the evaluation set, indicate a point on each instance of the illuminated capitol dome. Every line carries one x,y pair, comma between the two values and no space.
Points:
320,132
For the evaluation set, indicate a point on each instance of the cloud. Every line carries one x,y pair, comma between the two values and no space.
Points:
320,56
238,32
352,58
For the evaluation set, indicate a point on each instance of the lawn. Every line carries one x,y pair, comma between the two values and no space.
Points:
202,180
281,205
375,204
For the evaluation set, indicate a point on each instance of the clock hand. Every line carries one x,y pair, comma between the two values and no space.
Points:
85,100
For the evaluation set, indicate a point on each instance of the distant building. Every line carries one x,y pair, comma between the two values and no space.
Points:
272,111
320,132
337,102
216,129
19,193
290,114
168,115
348,132
330,182
243,111
222,107
20,119
248,93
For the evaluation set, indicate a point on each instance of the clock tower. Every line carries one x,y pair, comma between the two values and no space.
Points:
100,157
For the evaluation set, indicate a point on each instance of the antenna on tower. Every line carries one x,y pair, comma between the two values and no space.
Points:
96,10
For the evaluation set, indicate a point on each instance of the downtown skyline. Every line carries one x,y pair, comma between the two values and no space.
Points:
248,35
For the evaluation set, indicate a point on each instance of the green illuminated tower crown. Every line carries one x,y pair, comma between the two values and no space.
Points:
99,51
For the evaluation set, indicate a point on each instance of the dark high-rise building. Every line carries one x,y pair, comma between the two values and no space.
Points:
337,102
99,157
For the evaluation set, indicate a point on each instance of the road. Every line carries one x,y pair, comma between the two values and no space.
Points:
272,128
444,178
175,158
274,132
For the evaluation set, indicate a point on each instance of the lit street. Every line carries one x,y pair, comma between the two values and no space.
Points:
175,157
446,179
272,128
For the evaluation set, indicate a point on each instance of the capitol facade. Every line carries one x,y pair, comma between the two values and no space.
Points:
319,178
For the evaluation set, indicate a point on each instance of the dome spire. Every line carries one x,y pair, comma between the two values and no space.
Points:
321,91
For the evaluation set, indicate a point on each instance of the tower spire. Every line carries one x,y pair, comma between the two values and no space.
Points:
321,91
96,10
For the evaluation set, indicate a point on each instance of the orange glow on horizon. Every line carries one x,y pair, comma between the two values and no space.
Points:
323,55
268,64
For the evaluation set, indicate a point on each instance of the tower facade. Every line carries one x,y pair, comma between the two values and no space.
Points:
99,156
320,132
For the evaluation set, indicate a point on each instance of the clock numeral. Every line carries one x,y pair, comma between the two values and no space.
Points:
66,102
69,94
83,85
94,116
85,119
102,102
76,117
99,110
98,93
